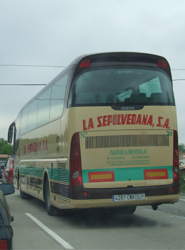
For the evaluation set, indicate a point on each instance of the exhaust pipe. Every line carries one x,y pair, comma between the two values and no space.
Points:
155,207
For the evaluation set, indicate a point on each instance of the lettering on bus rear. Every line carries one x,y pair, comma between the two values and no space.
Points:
128,157
125,119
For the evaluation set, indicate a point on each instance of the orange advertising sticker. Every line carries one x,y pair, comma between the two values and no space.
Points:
155,174
101,176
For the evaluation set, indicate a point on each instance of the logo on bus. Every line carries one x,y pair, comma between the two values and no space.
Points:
125,119
36,147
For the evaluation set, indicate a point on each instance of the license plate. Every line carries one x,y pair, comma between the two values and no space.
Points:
128,197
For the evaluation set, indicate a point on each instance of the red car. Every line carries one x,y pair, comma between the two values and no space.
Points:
7,176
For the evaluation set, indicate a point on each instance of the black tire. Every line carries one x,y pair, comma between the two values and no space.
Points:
51,210
129,210
23,194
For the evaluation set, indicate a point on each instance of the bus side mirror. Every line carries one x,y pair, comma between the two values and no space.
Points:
10,132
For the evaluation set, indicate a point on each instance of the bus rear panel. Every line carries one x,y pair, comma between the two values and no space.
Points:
124,132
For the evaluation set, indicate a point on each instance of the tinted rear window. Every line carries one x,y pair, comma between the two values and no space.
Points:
122,86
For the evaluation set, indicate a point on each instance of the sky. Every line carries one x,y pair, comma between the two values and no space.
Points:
53,33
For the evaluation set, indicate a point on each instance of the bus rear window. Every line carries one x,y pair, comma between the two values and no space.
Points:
122,87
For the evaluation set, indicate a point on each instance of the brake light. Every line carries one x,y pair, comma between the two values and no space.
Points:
75,162
11,164
85,64
175,157
162,64
3,245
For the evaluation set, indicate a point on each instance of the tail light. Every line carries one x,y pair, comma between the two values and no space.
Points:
3,245
175,157
75,162
85,64
162,64
11,164
10,177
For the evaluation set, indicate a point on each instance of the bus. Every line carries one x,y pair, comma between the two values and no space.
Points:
102,134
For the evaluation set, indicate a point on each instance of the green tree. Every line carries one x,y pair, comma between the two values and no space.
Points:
181,148
5,147
182,182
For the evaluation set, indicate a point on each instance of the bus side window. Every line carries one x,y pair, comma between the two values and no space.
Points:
17,125
43,107
24,120
17,128
57,97
32,116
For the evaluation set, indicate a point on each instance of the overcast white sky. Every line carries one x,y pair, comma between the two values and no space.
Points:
34,32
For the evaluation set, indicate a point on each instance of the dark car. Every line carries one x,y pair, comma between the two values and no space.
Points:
2,166
7,174
6,232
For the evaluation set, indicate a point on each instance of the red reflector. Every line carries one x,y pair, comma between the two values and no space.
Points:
155,174
102,176
85,64
85,194
162,64
3,245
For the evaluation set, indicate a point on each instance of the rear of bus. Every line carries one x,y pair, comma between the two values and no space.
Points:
123,132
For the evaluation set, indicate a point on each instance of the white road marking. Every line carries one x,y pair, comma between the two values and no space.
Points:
182,199
57,238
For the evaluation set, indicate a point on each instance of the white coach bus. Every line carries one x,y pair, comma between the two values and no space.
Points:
103,133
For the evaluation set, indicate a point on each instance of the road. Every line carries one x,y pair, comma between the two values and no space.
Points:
146,229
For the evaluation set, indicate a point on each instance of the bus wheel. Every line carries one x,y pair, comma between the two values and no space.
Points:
129,210
51,210
23,194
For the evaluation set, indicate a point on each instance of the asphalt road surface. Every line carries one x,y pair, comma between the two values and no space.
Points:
146,229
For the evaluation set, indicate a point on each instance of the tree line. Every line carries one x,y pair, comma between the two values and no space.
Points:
5,147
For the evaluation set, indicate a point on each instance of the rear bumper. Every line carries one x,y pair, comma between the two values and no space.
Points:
97,203
85,198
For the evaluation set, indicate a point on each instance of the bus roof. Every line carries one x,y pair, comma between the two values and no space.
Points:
120,57
131,58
